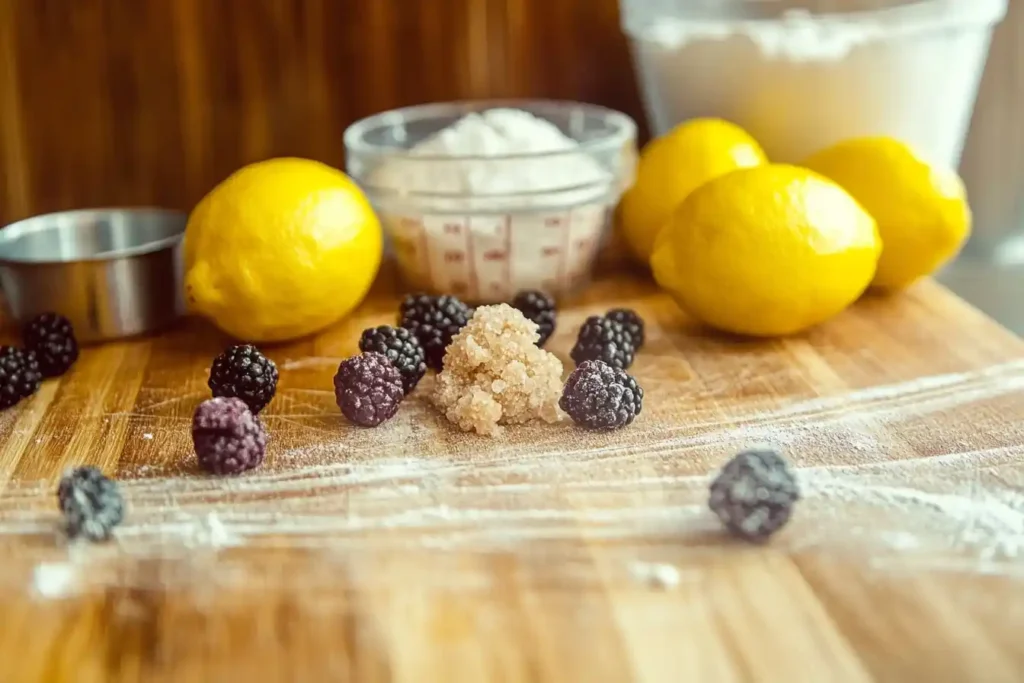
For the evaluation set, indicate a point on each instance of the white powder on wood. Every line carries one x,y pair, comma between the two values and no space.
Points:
886,483
54,580
656,575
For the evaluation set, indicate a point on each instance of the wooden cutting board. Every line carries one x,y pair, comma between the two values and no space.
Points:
413,552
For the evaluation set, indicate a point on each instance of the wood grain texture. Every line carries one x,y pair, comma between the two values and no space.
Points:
107,102
413,552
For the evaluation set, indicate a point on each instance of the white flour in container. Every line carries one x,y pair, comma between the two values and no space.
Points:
799,82
470,221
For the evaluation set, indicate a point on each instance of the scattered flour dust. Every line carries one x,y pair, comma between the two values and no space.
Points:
655,574
55,580
466,218
911,474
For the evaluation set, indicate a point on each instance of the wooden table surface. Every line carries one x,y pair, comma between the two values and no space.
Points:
415,553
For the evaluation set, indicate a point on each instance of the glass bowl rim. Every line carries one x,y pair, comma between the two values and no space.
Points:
622,129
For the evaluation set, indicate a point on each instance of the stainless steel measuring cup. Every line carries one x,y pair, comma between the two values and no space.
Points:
112,272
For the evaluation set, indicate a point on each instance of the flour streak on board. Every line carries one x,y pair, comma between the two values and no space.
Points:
900,491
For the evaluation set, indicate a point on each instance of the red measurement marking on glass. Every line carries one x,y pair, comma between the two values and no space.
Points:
551,251
584,244
473,278
452,228
452,256
553,221
507,231
406,249
567,243
425,251
495,255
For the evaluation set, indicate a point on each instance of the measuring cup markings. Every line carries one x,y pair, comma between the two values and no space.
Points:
585,237
489,254
507,234
489,258
474,282
563,259
451,259
409,241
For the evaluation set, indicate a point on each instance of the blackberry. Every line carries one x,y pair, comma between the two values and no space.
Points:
368,389
241,371
540,308
601,397
606,340
228,437
434,320
401,347
754,494
19,375
52,338
633,323
91,504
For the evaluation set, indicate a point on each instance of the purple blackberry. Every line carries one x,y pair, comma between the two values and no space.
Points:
600,397
540,308
19,375
227,437
606,340
51,337
401,347
368,389
434,320
241,371
633,323
754,494
91,504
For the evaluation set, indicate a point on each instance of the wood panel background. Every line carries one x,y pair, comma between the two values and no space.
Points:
122,102
119,102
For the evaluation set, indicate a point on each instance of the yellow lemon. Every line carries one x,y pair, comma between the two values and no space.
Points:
674,165
921,210
767,251
281,249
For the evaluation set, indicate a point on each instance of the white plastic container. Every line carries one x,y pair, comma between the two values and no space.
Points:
488,224
800,75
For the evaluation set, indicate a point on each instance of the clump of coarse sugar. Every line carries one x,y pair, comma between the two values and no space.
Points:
494,374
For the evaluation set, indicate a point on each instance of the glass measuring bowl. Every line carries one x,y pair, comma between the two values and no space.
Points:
800,75
486,224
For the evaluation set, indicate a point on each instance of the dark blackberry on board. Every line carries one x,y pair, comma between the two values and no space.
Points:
633,323
754,494
434,320
401,347
604,339
51,337
368,389
19,375
91,504
242,371
540,308
228,438
600,397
